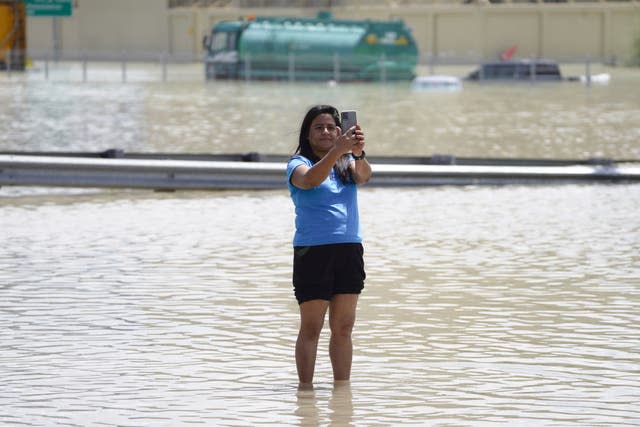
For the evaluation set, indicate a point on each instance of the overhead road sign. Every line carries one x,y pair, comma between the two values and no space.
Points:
49,7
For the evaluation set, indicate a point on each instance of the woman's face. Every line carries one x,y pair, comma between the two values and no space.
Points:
323,134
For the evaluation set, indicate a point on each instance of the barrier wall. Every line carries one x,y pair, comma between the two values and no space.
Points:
102,28
445,33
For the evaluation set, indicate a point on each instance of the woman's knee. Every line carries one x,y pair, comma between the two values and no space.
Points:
311,328
312,316
342,326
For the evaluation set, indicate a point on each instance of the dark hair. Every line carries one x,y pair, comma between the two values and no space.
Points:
304,147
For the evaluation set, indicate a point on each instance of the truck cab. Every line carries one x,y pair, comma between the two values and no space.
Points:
221,50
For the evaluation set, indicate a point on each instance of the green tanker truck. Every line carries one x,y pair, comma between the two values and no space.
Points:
321,48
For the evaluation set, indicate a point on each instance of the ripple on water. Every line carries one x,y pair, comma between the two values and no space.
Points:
483,306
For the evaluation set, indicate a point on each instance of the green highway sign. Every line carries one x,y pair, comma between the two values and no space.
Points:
49,7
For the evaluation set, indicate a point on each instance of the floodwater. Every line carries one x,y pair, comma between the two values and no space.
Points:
483,306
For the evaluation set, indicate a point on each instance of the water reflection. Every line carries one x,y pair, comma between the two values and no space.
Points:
321,406
341,404
307,410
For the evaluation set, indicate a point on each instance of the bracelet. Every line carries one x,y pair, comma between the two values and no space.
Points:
360,157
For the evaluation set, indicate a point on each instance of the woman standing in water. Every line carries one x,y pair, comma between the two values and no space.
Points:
328,265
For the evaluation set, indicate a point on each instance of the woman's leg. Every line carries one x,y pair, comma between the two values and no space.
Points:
342,316
311,320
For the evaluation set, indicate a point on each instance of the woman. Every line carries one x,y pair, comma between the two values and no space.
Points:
328,266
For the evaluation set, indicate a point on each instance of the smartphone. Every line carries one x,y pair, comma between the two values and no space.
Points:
348,120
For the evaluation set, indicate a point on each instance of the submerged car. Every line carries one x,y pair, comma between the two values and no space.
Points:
517,70
437,82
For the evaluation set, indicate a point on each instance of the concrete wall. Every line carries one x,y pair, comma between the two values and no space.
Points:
447,32
103,28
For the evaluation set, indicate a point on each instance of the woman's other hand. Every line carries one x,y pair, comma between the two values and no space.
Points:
351,141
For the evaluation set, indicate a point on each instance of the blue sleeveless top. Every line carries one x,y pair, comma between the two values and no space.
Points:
325,214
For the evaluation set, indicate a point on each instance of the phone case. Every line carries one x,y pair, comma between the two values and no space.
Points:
348,119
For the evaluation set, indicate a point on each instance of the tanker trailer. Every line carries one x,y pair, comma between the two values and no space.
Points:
322,48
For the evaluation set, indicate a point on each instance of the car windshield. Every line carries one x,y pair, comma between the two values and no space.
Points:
516,70
547,70
498,71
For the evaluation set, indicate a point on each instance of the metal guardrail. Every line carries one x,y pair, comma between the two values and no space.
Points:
337,3
138,173
170,174
160,66
84,62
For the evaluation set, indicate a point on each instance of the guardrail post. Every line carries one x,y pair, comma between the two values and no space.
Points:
532,70
46,66
84,65
124,66
163,63
336,67
587,71
292,66
383,68
247,67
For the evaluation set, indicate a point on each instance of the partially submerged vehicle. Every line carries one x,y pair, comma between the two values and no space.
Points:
436,83
321,48
517,70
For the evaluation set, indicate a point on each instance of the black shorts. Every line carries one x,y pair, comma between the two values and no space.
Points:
320,272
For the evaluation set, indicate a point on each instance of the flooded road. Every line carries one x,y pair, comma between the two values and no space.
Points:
483,306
